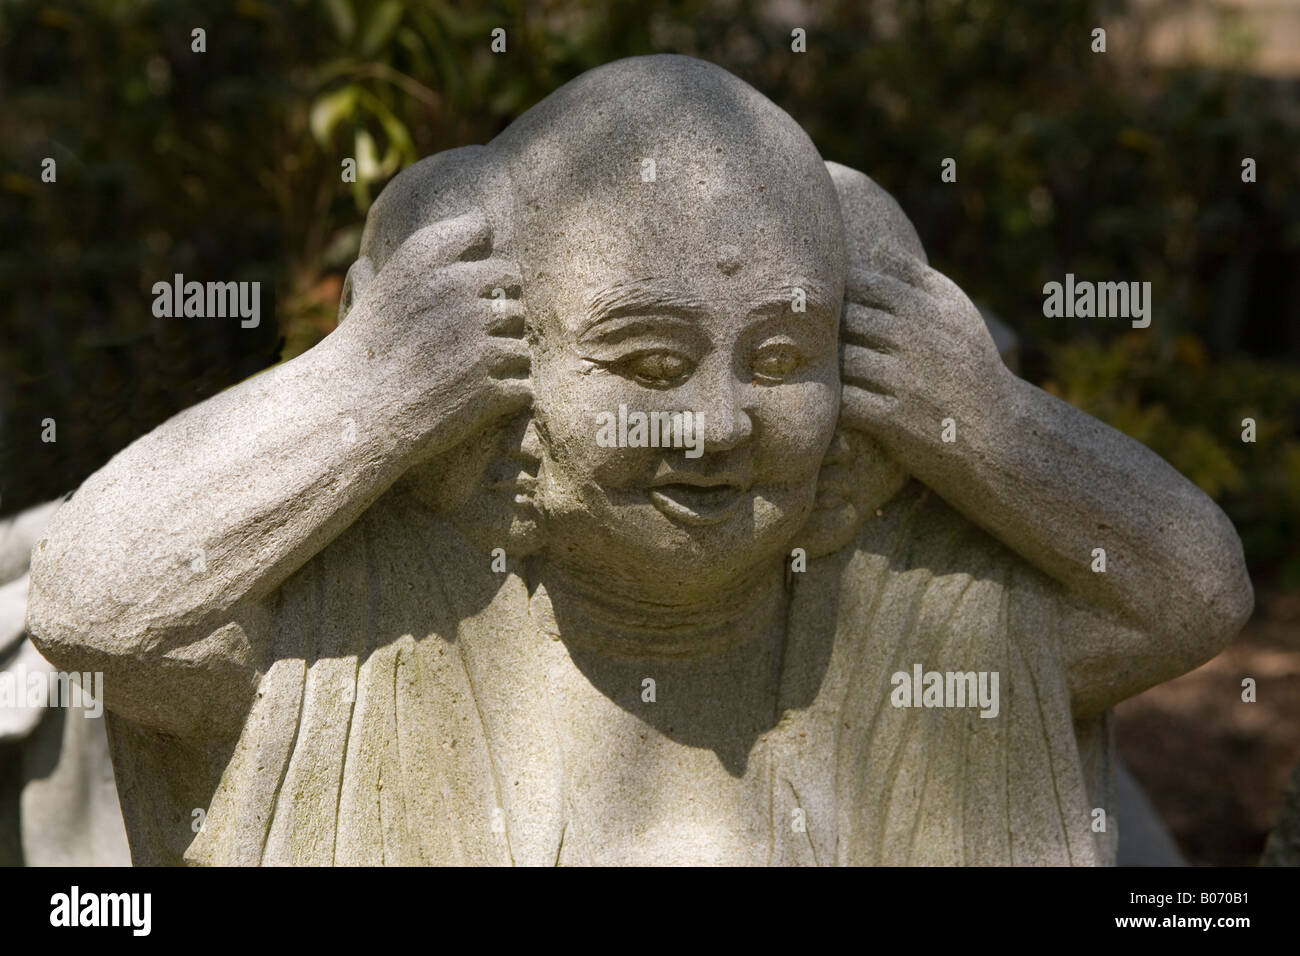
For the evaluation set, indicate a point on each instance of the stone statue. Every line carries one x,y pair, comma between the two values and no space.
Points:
396,602
58,801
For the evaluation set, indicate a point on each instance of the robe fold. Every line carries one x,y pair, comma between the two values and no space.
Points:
406,715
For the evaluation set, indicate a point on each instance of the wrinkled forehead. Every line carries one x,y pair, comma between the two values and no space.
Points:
709,237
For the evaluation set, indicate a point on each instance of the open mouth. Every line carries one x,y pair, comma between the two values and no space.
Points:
697,504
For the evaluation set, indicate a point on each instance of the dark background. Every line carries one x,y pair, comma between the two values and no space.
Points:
225,165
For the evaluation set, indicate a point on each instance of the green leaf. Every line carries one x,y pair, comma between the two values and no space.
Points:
401,148
344,20
329,110
382,24
368,168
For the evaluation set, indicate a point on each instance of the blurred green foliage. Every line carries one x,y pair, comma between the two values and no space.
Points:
226,165
1191,410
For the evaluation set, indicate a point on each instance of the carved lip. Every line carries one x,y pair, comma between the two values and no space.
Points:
698,499
698,480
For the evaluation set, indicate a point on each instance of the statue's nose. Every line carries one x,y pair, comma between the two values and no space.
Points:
724,418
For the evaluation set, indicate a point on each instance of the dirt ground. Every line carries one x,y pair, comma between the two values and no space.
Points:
1214,766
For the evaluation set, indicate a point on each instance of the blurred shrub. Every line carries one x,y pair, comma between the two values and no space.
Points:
1191,410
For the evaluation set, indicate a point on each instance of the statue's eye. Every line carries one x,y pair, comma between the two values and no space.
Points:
777,362
657,369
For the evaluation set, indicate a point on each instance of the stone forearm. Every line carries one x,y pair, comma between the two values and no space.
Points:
219,504
1054,484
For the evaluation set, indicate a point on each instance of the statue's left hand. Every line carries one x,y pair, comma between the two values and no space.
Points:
443,340
916,354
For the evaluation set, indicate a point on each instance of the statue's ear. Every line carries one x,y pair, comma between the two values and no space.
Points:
872,218
354,285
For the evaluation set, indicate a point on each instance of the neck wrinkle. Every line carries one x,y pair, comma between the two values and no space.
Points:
591,615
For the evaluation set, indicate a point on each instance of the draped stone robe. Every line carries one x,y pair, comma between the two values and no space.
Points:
408,716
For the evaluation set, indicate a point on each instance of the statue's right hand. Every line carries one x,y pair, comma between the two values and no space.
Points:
442,327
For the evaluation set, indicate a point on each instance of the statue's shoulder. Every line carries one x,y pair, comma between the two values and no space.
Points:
917,531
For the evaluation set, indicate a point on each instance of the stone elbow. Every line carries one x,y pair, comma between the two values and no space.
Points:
66,630
46,627
1222,602
1231,606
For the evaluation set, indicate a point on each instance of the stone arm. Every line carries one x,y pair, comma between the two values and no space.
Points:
160,569
1055,484
1049,481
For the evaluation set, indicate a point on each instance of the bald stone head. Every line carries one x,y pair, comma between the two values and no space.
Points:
682,250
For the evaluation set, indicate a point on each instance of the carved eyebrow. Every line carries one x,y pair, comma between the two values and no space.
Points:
779,299
610,330
664,298
639,295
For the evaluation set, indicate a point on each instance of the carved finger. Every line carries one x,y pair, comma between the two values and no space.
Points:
873,328
878,290
945,288
513,394
505,397
494,278
506,318
900,264
869,368
865,410
510,358
462,238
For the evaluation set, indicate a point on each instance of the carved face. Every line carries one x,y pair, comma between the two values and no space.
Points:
705,323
